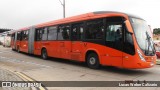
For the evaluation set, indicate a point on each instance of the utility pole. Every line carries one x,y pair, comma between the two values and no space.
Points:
64,7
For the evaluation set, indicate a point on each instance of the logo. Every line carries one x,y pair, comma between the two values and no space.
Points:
6,84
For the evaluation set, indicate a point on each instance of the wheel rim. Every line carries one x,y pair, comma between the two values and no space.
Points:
92,60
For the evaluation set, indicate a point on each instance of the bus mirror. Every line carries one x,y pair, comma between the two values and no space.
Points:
128,26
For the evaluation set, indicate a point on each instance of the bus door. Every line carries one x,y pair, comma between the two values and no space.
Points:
128,47
77,43
52,37
114,41
24,42
38,41
64,43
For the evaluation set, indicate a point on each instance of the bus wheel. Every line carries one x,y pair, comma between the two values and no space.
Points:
93,61
18,50
44,54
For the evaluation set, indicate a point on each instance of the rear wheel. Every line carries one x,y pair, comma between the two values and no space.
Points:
18,50
12,49
93,61
44,54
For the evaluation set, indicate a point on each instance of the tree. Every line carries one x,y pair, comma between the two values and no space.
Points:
156,31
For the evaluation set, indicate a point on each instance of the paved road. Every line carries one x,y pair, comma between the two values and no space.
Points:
64,70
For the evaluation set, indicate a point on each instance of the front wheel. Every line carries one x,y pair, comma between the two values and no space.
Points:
93,61
44,54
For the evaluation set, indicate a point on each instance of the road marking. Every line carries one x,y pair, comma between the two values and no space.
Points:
25,77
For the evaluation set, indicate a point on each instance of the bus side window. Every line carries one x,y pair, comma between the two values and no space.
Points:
38,36
64,32
128,42
95,29
77,31
52,33
27,34
18,35
44,34
114,31
13,36
24,35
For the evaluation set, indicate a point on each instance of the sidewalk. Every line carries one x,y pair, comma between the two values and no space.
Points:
6,75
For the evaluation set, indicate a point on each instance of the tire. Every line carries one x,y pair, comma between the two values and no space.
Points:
93,61
18,50
12,49
44,54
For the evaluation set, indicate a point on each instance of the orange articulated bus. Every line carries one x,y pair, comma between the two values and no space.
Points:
97,38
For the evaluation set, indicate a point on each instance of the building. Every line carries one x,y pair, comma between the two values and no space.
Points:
4,30
156,37
5,37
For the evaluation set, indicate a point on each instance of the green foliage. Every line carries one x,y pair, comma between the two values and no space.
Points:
156,31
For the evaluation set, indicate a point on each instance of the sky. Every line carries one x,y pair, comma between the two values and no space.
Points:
15,14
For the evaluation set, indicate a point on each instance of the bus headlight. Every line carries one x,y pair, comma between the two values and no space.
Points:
140,55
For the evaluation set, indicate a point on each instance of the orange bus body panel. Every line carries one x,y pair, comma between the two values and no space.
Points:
24,46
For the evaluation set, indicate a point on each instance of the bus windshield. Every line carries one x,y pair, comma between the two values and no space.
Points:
143,35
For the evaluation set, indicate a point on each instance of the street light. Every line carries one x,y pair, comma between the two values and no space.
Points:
64,11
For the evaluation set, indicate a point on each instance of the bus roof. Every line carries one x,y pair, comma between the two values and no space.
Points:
105,12
81,17
21,29
86,16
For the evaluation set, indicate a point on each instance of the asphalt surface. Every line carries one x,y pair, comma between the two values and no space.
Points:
6,76
64,70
